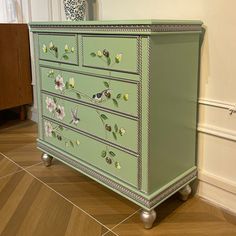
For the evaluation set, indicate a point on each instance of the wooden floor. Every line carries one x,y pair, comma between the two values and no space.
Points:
58,201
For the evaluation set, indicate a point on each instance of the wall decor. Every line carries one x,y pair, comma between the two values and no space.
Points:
75,9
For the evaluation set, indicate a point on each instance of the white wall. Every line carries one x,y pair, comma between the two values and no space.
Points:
217,128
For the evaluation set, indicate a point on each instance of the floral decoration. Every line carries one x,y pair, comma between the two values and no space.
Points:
59,83
55,131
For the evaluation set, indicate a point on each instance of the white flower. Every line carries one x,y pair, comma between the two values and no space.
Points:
44,48
48,128
60,112
122,131
51,73
99,54
72,82
118,57
51,105
66,48
51,46
59,84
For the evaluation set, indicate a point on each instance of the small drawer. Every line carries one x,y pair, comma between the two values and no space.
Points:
58,48
109,127
111,94
113,161
112,53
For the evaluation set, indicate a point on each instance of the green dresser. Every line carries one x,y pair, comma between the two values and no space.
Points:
117,101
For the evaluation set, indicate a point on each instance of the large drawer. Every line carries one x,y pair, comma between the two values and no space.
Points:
113,161
58,48
109,127
112,94
115,53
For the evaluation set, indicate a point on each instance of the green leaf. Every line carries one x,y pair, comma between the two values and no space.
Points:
119,96
60,127
65,57
112,154
93,54
71,143
53,134
67,85
104,117
55,100
114,135
103,154
106,84
108,61
115,102
116,128
78,95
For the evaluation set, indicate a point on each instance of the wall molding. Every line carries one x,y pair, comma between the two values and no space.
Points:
218,104
216,131
217,181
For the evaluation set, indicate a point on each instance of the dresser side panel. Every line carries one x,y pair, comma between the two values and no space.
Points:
173,107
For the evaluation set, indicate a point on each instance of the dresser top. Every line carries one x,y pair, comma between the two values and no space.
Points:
116,26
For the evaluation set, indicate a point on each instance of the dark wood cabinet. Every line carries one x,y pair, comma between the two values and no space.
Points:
15,69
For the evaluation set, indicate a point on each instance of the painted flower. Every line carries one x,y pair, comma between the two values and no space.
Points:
60,112
51,105
99,53
118,58
48,128
71,82
67,48
72,49
44,48
51,46
117,165
126,97
77,142
75,119
122,131
59,84
51,73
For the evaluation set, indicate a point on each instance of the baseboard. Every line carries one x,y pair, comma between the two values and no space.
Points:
32,114
217,190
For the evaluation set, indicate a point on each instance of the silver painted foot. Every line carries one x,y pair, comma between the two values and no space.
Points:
47,160
148,218
185,192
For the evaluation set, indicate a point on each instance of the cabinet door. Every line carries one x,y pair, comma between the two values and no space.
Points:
15,79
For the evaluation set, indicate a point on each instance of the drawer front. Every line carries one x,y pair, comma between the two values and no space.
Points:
115,162
111,53
59,48
113,128
112,94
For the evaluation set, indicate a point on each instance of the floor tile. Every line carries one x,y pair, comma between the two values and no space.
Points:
28,207
195,217
18,142
7,167
103,204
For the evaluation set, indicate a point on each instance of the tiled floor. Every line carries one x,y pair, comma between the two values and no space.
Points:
57,201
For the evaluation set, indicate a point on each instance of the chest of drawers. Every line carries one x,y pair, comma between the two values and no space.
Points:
117,101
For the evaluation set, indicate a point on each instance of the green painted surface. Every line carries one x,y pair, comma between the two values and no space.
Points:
87,86
116,129
173,105
122,166
126,47
62,48
160,103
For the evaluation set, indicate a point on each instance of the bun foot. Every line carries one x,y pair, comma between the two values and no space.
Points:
185,192
47,160
148,218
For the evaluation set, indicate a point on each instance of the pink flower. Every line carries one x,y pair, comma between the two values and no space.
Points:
48,128
59,84
51,105
60,112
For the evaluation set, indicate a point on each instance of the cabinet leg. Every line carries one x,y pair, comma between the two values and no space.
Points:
185,192
22,112
148,218
47,160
